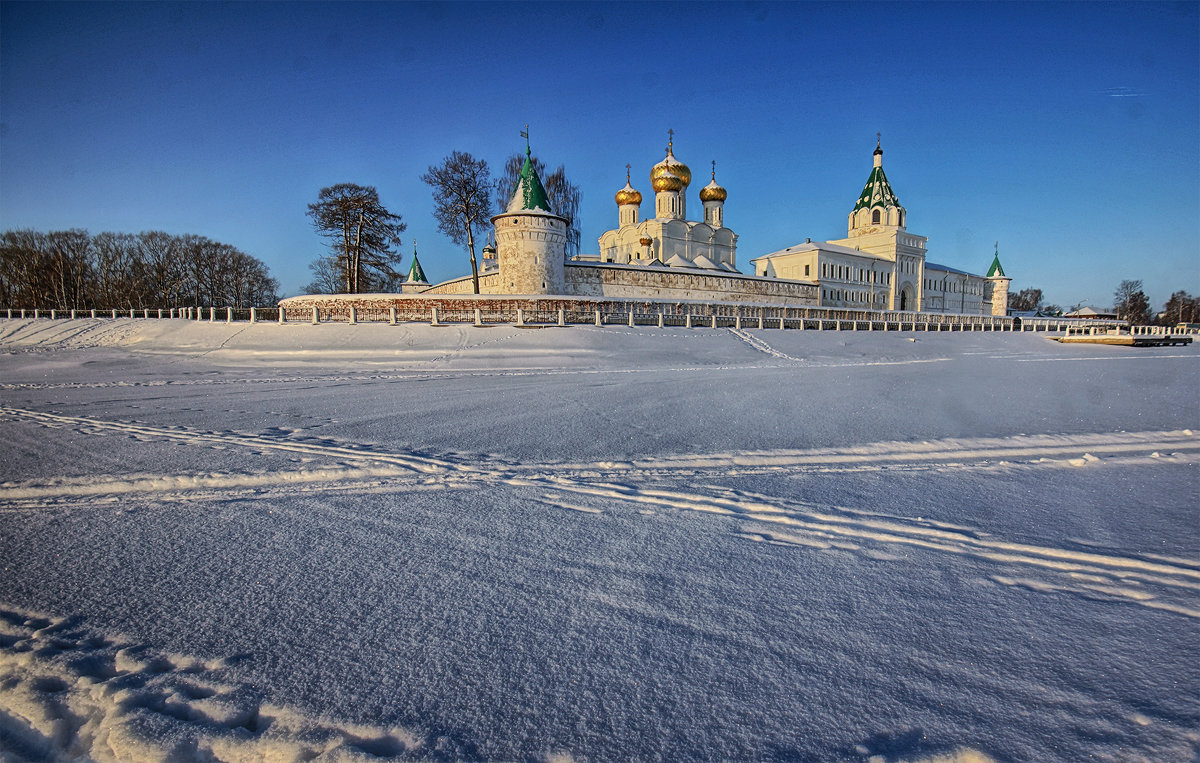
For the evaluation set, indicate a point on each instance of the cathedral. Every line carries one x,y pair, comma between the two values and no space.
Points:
669,239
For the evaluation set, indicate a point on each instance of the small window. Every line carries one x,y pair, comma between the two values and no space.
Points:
806,270
875,217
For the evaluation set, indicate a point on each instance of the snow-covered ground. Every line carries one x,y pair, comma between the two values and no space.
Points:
236,543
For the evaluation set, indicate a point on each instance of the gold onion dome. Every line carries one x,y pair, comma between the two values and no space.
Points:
628,194
712,191
671,166
666,181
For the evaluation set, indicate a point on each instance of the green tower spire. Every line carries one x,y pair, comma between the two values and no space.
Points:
996,269
531,194
415,273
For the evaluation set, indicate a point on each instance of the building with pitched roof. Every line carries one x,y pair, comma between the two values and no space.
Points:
880,265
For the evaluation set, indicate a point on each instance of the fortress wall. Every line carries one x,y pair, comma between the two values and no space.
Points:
633,282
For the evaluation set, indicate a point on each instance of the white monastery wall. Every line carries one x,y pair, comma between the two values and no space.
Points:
633,282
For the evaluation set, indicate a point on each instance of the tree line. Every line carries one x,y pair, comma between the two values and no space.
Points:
73,269
1130,303
363,236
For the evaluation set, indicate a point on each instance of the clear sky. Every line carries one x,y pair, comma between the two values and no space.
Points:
1070,133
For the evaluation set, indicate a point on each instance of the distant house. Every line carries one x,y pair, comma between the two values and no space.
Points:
1092,313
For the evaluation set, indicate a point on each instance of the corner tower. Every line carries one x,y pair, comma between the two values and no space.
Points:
997,286
877,208
531,241
415,281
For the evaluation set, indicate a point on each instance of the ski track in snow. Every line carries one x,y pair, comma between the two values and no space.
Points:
1163,583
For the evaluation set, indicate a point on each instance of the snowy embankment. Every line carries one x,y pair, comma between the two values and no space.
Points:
268,542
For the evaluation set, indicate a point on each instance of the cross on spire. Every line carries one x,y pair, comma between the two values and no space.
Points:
525,135
670,139
628,167
878,136
714,162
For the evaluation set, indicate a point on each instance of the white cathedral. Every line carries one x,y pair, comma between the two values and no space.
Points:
669,239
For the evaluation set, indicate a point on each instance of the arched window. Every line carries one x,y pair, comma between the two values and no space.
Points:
875,217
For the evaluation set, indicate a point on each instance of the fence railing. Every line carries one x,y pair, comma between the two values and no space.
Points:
685,315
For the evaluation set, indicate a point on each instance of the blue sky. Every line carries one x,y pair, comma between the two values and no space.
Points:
1070,133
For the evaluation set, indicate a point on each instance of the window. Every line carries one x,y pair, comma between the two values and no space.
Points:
806,270
875,217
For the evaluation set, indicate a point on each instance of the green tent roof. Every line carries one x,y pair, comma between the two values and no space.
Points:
877,192
996,269
530,192
415,274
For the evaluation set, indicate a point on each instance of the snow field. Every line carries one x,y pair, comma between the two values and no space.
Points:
221,542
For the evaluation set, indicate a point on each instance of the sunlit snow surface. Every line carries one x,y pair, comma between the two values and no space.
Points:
594,543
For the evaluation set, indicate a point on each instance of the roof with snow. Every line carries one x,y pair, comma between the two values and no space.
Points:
877,192
824,246
996,269
530,194
945,268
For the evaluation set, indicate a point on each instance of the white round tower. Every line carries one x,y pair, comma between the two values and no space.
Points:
997,286
531,241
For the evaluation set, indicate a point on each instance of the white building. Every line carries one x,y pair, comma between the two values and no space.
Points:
882,266
669,239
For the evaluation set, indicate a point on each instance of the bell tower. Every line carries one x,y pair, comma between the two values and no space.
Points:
877,208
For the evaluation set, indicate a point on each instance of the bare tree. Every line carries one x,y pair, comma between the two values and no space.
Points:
325,276
69,269
361,233
161,264
1131,303
563,195
461,204
1026,300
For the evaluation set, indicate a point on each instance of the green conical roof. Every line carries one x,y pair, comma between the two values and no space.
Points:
530,192
877,192
996,269
415,274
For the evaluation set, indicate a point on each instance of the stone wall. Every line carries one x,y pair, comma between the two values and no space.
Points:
632,282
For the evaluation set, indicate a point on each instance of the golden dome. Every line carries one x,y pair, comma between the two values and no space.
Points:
628,194
663,179
712,191
673,166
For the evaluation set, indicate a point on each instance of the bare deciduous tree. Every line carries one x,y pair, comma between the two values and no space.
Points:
1026,300
1131,303
72,269
361,233
461,203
